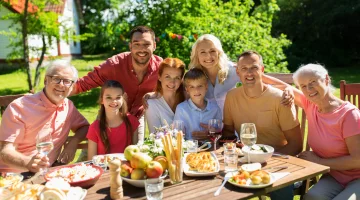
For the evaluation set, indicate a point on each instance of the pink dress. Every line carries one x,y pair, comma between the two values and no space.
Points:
327,134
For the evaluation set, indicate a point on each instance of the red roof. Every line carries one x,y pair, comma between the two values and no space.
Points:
59,9
18,6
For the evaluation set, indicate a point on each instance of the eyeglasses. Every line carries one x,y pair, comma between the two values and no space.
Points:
57,80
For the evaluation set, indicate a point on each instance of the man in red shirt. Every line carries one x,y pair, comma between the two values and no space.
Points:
137,71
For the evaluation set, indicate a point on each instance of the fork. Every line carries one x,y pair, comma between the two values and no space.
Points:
221,186
281,155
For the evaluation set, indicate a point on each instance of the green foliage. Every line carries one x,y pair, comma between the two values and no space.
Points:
321,31
238,24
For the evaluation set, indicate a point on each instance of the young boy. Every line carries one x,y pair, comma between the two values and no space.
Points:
197,109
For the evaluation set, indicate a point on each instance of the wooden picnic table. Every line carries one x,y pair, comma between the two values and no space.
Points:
204,187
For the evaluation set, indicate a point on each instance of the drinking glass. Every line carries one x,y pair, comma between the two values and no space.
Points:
230,157
178,125
215,130
248,136
44,144
192,146
154,189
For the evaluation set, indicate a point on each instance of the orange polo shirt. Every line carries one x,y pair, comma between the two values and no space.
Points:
25,117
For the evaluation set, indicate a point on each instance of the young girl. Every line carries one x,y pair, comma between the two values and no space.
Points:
116,128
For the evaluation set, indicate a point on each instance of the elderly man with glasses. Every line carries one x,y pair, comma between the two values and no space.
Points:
47,112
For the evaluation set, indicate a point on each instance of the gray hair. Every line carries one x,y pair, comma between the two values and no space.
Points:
316,69
223,64
61,64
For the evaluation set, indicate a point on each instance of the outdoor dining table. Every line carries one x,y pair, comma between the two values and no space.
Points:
204,187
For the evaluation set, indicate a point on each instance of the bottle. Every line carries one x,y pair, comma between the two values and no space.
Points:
116,190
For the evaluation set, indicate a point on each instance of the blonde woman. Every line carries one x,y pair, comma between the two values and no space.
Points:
208,55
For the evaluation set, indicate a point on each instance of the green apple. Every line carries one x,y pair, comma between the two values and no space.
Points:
138,174
130,151
140,160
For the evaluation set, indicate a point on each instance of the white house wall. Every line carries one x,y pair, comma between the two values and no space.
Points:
5,40
71,20
35,41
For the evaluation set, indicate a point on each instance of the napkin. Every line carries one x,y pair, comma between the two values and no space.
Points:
279,175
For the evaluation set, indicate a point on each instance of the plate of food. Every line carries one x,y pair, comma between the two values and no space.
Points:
82,175
201,164
104,159
54,189
256,179
10,178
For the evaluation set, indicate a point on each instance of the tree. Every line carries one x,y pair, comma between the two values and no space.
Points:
321,31
37,23
238,24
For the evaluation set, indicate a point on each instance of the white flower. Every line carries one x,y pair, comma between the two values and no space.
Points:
158,143
152,136
144,148
157,150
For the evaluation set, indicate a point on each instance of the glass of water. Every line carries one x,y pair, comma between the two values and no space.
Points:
230,157
154,188
44,144
192,146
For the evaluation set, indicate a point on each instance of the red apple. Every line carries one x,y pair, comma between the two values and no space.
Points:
154,169
130,151
140,160
138,174
126,169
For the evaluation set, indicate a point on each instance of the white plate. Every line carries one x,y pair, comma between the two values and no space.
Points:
189,172
119,155
249,184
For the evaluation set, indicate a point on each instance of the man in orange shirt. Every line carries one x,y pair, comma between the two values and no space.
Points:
48,112
258,103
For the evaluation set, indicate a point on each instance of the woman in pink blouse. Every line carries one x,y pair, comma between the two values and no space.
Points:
333,134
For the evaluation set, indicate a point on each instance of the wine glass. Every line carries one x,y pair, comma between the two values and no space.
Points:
248,136
215,130
44,144
178,125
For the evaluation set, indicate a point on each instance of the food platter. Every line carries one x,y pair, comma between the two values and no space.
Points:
10,178
189,172
249,183
76,175
104,159
33,191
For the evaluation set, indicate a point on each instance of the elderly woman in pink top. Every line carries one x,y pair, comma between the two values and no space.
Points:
333,135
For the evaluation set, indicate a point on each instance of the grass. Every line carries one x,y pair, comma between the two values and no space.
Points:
13,81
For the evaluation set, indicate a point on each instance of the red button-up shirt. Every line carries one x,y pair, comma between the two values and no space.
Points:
120,68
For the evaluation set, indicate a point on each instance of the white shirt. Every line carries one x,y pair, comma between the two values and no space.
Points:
157,112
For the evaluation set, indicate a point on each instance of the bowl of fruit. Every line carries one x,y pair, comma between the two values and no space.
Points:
139,166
